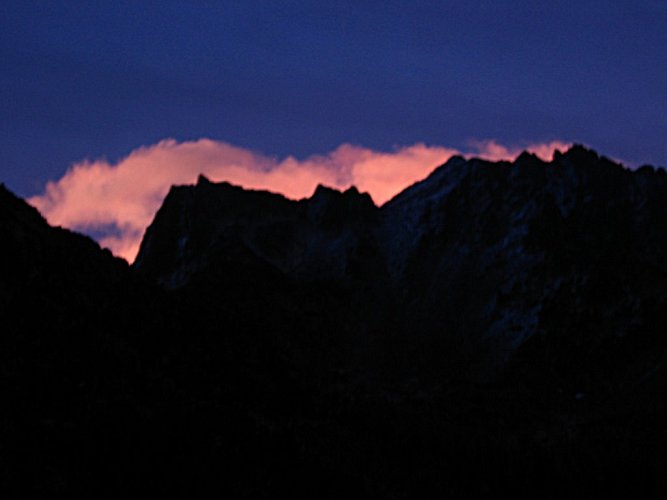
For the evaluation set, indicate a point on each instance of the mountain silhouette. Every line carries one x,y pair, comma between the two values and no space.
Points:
494,327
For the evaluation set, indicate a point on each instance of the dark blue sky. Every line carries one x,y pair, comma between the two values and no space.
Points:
98,79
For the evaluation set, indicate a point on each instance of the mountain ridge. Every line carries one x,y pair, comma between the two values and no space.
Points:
494,327
485,217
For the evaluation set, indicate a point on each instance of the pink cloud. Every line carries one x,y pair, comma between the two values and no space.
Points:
493,151
92,196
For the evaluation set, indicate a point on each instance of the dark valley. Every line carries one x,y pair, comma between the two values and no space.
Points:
495,328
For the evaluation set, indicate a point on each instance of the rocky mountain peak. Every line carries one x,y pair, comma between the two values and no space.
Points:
511,313
580,155
498,241
331,207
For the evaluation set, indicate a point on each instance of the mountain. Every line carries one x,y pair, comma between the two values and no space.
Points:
494,327
197,227
480,258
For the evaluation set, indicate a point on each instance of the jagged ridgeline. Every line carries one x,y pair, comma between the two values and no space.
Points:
495,327
479,253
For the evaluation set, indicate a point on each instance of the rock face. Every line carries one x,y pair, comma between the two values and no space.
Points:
495,327
201,225
37,259
478,258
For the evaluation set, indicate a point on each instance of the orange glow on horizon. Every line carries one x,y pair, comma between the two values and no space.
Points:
94,195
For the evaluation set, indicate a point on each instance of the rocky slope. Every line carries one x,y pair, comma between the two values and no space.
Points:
495,327
479,259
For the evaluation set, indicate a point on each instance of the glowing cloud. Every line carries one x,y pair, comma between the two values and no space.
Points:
119,201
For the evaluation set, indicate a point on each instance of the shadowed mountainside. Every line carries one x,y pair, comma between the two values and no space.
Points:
478,260
495,327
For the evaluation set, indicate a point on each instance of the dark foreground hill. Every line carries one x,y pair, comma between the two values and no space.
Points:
497,327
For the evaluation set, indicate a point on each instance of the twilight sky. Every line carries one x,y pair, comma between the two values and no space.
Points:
90,86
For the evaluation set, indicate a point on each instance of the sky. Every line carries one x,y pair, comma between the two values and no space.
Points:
248,90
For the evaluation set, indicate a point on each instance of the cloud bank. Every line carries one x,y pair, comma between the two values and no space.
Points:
116,202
